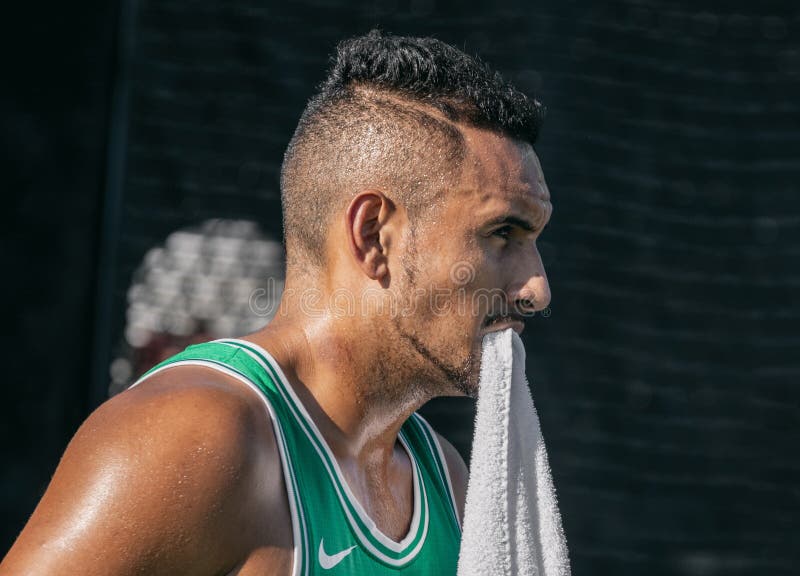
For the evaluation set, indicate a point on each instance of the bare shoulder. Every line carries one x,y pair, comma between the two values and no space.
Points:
459,473
158,479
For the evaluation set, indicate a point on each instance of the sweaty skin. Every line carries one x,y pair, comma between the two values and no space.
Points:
181,474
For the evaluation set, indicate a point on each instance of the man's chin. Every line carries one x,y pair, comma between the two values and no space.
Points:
472,391
469,384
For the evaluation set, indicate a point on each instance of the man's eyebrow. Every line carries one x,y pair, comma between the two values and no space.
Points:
512,220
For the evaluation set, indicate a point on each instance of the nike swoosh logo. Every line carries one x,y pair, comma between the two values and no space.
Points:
328,561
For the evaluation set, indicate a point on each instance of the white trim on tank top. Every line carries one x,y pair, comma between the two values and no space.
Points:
300,561
443,460
374,530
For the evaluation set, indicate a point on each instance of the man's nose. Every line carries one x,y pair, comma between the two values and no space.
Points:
531,292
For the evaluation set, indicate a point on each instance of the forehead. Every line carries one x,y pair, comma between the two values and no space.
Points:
500,175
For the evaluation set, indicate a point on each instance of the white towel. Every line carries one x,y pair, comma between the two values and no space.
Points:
512,525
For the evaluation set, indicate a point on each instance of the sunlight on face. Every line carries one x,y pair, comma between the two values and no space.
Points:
476,268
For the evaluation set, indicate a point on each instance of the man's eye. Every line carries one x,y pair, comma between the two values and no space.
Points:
503,232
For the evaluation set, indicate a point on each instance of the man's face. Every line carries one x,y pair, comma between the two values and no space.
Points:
474,266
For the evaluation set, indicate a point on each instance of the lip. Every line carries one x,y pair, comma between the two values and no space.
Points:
516,325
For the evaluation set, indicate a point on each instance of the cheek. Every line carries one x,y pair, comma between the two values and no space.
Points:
487,291
454,287
496,266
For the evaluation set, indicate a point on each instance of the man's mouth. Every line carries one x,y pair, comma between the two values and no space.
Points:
501,322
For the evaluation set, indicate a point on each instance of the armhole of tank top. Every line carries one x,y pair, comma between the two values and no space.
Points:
438,454
300,561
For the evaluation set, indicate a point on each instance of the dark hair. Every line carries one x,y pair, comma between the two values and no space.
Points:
387,116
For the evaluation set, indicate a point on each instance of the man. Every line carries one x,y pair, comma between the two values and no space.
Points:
412,198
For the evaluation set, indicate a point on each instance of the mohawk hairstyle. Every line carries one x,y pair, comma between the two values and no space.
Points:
387,117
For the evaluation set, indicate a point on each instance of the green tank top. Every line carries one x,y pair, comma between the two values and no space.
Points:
332,532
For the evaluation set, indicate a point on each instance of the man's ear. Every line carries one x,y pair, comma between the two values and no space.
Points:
365,222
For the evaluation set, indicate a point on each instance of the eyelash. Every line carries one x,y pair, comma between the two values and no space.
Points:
507,229
505,232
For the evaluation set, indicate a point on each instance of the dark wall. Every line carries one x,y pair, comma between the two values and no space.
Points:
55,83
664,374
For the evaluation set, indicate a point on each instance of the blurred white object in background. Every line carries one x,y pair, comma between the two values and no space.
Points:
220,279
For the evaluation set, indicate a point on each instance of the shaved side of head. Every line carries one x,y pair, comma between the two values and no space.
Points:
366,139
387,117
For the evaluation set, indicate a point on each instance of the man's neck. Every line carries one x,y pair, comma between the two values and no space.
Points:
357,400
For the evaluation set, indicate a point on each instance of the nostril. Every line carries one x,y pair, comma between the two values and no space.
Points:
526,304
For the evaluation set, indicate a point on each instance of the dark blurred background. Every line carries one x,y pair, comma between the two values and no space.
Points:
666,375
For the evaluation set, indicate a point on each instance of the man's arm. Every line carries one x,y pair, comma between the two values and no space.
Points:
158,480
459,474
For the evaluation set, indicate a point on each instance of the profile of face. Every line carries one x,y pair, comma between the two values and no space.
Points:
474,266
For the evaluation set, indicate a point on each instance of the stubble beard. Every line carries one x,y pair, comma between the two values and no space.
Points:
437,375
